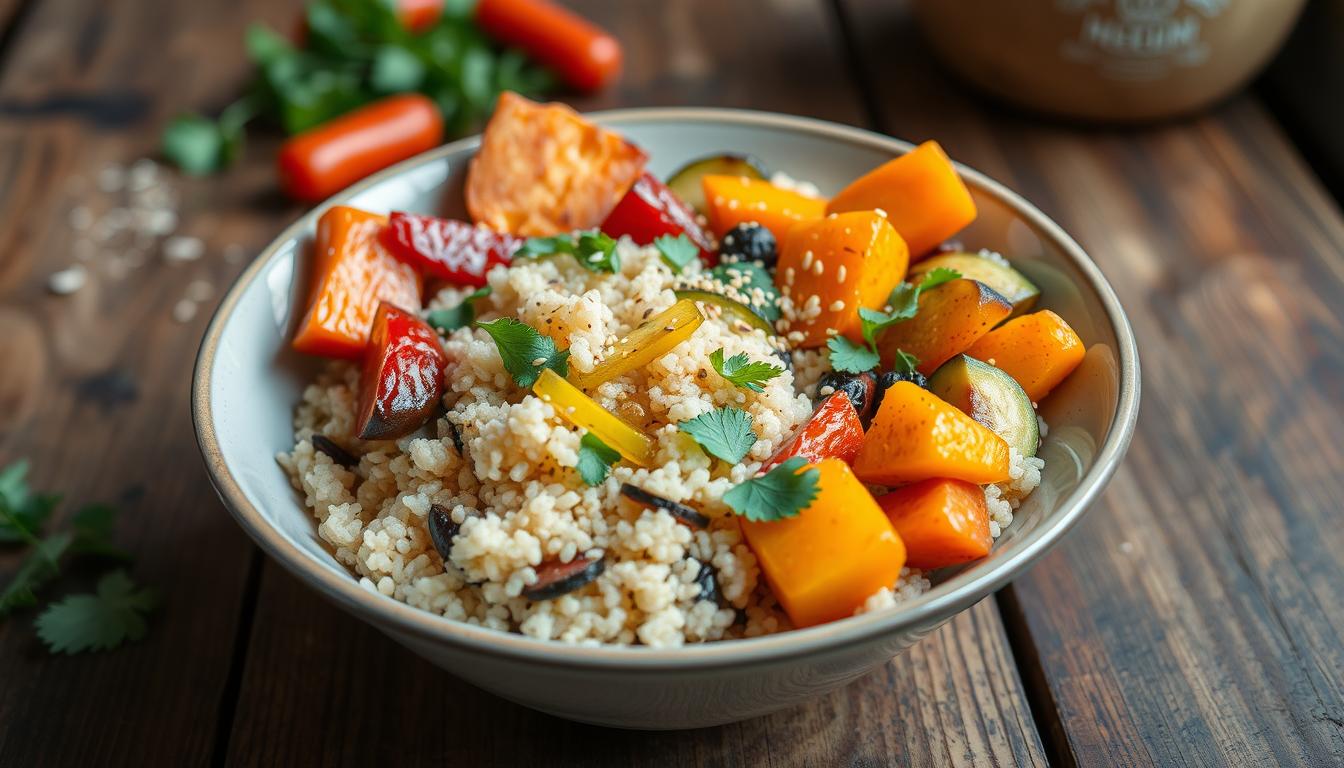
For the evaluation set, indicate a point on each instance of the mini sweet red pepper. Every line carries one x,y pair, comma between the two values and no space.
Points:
833,432
650,210
402,379
448,249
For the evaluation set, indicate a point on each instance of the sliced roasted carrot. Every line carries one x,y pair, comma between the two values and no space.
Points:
352,274
921,192
544,170
826,560
915,436
834,266
1039,350
950,318
733,200
942,521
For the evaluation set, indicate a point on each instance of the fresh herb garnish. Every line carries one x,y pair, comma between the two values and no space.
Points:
743,371
782,492
904,302
525,351
592,249
904,362
595,459
22,513
464,314
848,357
100,621
41,566
93,533
723,432
677,251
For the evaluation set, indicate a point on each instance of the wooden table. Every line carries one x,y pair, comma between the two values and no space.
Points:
1194,618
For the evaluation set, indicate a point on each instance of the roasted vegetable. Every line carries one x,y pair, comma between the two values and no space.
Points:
749,242
860,388
833,267
581,53
555,578
824,562
733,200
402,379
950,319
543,170
650,210
442,530
447,249
1003,279
732,309
833,432
1039,350
688,515
916,436
323,444
887,379
942,522
578,409
654,338
685,182
352,273
992,398
921,193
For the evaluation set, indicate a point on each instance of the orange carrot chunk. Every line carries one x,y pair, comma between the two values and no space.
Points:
915,436
1039,350
824,562
942,521
733,200
923,196
352,274
839,264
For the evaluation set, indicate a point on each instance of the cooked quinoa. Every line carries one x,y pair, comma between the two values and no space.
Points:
515,492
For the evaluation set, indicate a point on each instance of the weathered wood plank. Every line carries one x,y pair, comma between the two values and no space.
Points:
1193,618
319,688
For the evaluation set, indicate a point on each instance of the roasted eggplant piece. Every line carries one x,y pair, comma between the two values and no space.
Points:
685,514
555,578
442,530
335,452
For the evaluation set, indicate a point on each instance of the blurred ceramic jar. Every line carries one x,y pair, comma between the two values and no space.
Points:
1108,60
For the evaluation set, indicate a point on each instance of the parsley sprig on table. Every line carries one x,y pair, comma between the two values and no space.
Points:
594,250
742,371
782,492
849,357
723,432
526,352
100,621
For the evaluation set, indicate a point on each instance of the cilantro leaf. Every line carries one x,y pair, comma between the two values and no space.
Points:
677,251
594,250
525,352
41,566
395,70
198,145
723,432
595,459
904,302
905,362
93,532
742,371
782,492
448,320
848,357
22,512
97,622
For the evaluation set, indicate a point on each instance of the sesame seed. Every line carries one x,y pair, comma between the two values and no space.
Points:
880,212
837,306
840,274
539,361
807,260
832,332
818,267
826,390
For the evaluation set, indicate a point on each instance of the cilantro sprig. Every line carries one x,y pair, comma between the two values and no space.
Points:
450,319
594,250
595,459
100,621
723,432
782,492
525,351
849,357
677,251
742,371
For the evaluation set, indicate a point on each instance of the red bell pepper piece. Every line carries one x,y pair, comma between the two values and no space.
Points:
448,249
402,379
650,210
833,432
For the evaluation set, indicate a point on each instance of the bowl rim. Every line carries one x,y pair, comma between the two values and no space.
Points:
940,603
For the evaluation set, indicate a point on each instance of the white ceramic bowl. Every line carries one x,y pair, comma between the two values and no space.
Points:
247,382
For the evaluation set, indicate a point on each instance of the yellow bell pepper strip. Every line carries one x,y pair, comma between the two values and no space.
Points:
582,411
650,341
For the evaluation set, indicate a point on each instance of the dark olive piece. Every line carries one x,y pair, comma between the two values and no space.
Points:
749,242
709,585
337,454
858,387
887,380
786,358
457,440
442,530
685,514
555,578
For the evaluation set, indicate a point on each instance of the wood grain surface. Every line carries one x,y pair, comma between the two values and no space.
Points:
1192,619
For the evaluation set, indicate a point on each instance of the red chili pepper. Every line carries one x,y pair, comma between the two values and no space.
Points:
650,210
582,54
402,379
320,162
448,249
833,432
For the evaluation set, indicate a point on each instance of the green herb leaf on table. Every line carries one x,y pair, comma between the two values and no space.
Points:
525,351
594,250
677,251
723,432
595,459
97,622
848,357
39,567
22,512
93,526
464,314
742,371
782,492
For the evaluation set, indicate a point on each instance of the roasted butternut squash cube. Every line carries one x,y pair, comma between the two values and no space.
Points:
916,436
1039,350
942,521
832,267
543,170
733,200
950,318
824,562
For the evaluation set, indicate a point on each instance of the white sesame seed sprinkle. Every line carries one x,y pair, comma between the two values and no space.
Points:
837,306
840,274
68,280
